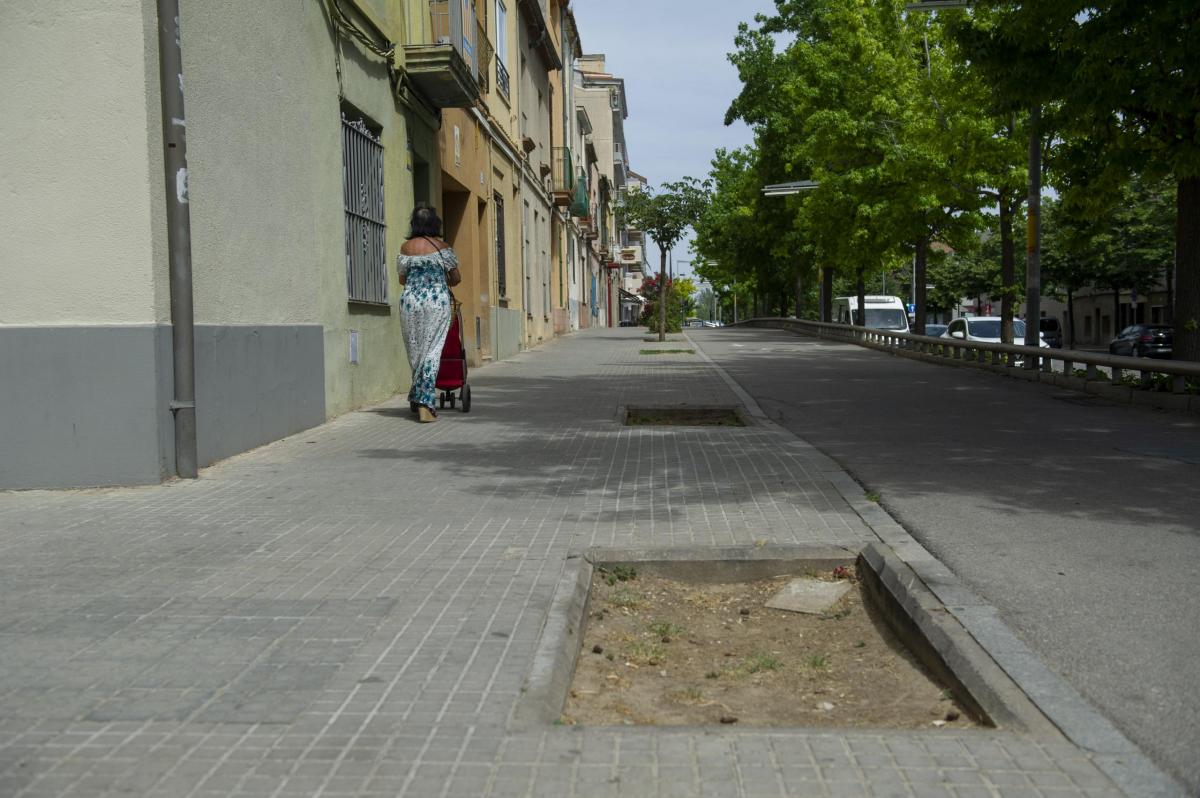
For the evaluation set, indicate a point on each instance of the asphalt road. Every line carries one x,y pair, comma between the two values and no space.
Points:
1078,520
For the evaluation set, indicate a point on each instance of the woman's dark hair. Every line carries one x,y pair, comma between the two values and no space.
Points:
424,222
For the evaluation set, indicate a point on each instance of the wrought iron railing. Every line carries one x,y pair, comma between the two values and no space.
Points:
502,77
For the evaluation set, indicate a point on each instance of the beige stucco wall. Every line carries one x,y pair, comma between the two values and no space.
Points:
264,146
80,163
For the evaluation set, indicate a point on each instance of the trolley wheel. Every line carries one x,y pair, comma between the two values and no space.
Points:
466,398
450,398
442,401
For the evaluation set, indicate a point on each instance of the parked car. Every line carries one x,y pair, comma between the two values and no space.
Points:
1143,340
1051,329
986,329
934,330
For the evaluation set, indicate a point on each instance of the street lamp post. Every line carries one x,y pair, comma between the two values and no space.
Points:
825,278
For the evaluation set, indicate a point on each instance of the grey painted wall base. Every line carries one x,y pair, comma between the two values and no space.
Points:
256,384
508,332
82,406
89,406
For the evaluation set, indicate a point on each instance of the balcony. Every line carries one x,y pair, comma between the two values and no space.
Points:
484,53
447,70
562,185
579,203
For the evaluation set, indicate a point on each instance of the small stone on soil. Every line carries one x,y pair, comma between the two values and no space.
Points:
952,716
728,719
597,649
825,706
744,611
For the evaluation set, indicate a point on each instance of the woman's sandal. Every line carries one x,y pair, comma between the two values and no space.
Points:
426,414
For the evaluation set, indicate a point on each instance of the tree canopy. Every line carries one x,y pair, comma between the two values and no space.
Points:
914,128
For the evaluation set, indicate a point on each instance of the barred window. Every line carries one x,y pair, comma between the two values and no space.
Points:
501,277
362,189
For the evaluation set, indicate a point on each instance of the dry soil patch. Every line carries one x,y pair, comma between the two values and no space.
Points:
666,652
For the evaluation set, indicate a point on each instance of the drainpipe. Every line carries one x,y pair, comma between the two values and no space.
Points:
179,236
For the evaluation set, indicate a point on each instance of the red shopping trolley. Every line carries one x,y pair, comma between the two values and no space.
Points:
452,373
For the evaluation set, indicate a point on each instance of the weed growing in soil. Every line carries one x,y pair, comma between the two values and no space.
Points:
759,663
818,662
665,629
624,597
689,695
618,573
642,652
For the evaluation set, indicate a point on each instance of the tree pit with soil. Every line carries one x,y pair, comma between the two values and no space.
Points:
667,652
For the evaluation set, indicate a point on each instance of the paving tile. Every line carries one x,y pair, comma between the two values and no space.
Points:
353,610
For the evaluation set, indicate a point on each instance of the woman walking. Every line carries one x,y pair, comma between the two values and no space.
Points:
428,268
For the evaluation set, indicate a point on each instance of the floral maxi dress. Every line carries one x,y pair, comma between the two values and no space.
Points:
425,316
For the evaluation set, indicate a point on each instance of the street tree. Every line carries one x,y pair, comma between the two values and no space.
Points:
1121,76
664,216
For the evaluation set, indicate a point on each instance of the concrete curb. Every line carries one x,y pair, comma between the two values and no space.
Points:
1131,770
558,648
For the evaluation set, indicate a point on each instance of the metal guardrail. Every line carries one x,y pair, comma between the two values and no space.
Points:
1052,363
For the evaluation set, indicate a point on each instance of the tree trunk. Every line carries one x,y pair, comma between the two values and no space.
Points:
1070,318
1117,326
827,294
662,293
798,287
783,304
1187,270
919,284
861,289
1008,268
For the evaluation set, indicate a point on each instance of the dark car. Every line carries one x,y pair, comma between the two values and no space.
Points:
1052,331
934,330
1143,340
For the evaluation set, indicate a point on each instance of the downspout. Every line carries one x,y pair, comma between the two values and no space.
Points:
179,236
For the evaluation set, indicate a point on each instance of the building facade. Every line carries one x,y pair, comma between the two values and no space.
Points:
303,166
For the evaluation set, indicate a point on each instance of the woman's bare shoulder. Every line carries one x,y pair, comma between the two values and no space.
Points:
422,246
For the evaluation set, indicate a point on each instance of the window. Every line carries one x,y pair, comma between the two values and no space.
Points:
502,47
502,283
362,191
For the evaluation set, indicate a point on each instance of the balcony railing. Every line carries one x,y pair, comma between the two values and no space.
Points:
502,77
562,182
579,203
483,57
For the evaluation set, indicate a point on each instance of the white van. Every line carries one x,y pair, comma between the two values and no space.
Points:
883,312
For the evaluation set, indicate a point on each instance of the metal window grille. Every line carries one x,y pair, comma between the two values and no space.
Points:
362,188
501,277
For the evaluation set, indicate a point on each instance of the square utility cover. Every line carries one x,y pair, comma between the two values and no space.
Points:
809,595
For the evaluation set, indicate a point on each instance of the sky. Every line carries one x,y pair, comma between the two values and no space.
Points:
678,82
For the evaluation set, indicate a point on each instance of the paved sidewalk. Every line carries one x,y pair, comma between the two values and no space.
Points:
352,611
